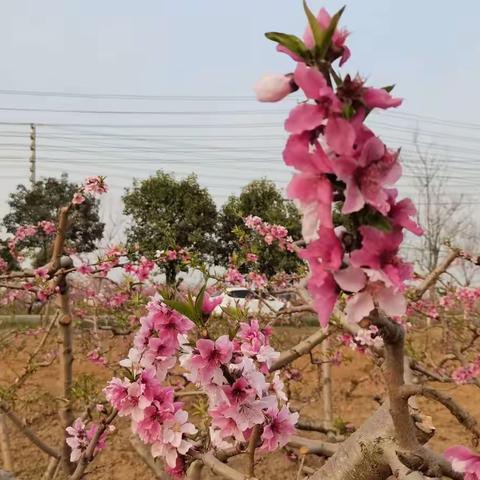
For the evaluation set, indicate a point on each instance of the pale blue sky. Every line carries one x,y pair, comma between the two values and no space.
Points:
430,49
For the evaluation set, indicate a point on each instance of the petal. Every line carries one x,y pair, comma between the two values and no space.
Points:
350,279
340,135
354,200
294,56
323,288
310,80
359,306
309,221
393,304
304,117
380,98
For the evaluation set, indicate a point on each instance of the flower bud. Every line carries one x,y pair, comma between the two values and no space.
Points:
273,88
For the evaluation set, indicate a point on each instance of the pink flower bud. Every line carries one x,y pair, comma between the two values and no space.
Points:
273,88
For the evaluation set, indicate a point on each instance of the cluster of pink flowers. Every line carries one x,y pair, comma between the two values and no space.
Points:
342,165
49,228
364,338
96,357
232,372
464,374
233,375
79,438
26,231
257,280
234,277
425,307
142,270
270,232
457,300
78,198
254,279
95,185
172,255
156,417
3,265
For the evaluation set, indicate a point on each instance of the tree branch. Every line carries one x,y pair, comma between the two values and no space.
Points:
433,276
220,468
454,408
27,432
317,447
252,445
300,349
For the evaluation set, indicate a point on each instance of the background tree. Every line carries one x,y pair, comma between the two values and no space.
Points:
446,218
167,214
30,205
264,199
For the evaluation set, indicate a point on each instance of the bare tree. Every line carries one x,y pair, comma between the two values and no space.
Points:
445,219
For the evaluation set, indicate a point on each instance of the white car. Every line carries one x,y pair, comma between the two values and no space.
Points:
245,298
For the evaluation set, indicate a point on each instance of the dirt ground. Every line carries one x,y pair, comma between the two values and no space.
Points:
39,400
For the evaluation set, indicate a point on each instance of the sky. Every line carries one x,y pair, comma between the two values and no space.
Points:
184,63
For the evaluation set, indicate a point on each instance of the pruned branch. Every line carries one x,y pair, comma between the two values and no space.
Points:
433,276
317,447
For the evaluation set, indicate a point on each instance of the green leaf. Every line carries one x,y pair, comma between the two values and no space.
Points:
348,111
199,301
183,308
291,42
377,220
317,32
389,88
336,77
328,35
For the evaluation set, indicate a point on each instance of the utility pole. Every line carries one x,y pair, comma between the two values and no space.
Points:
33,153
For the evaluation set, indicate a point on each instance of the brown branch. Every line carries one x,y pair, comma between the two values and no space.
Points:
27,432
312,426
300,349
66,334
52,469
414,365
194,472
308,445
220,468
394,337
448,402
433,276
252,445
